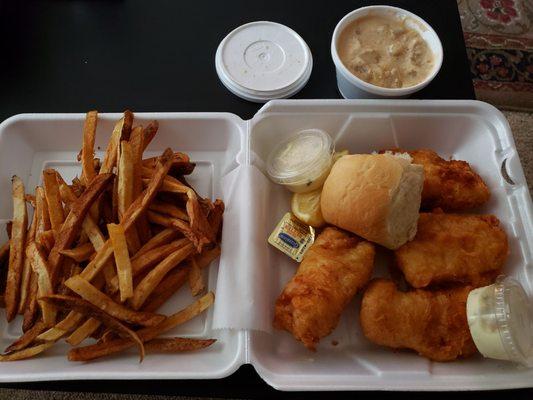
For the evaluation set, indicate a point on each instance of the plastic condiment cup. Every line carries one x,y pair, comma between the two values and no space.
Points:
352,87
500,318
302,162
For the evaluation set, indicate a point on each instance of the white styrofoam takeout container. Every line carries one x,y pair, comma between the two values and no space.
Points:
352,87
221,143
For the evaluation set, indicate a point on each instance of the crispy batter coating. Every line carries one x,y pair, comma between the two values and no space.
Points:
434,324
451,185
334,268
453,248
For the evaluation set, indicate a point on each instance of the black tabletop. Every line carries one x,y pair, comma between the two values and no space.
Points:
72,56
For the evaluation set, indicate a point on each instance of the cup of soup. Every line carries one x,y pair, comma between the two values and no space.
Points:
383,51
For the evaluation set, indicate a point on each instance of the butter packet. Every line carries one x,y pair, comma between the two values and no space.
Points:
292,237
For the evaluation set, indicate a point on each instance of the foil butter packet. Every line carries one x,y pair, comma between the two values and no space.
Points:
292,237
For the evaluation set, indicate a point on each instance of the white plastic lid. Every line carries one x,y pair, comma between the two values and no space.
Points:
500,317
262,60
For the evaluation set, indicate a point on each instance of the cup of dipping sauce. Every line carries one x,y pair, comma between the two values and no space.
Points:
384,52
500,318
302,162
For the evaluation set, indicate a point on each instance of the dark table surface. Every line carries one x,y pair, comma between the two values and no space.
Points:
72,56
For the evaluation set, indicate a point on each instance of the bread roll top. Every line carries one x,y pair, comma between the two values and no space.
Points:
376,196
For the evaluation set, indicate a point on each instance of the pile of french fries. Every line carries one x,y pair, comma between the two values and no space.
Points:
101,255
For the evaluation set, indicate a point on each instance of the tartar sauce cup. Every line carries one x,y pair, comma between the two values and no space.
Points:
302,162
500,318
352,87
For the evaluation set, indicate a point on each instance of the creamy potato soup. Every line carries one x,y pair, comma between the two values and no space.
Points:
385,52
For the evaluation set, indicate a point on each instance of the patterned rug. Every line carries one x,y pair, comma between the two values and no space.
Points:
499,40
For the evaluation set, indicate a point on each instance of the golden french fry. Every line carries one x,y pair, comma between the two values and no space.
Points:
181,165
163,237
177,224
77,186
68,323
138,207
169,209
46,240
154,277
149,133
141,263
55,207
72,226
137,147
215,218
122,261
16,250
176,345
92,231
136,144
70,268
107,336
44,282
146,334
83,331
144,261
43,218
198,223
175,280
27,338
125,178
86,308
62,328
87,150
125,191
26,269
30,313
80,253
88,292
26,353
196,282
120,132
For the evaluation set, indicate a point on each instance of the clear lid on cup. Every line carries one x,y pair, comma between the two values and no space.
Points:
302,157
500,317
514,313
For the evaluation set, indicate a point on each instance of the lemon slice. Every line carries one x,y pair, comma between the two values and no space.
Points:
306,207
339,154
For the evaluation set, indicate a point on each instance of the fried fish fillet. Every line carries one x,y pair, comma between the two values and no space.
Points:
434,324
453,248
334,268
451,185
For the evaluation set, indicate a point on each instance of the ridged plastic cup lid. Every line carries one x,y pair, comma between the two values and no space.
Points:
514,314
262,60
293,159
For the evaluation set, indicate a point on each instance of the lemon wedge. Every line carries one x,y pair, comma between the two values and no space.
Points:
306,207
339,154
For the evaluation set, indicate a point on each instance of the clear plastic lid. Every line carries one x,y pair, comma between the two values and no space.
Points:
500,318
302,158
514,313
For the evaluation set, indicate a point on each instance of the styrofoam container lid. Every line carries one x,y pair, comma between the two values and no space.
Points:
263,60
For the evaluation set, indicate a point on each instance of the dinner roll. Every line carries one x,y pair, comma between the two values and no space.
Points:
376,196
